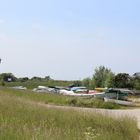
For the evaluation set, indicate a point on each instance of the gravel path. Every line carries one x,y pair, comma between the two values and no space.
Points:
132,113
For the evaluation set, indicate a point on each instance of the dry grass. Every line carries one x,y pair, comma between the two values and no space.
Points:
21,120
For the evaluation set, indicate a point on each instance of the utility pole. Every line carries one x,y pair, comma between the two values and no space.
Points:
0,60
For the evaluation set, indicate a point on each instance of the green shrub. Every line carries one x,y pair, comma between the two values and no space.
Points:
72,102
137,85
92,103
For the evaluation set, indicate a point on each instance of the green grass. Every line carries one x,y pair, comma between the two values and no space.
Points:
30,84
60,99
21,120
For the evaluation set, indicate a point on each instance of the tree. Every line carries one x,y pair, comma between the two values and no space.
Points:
137,84
137,75
103,77
123,80
36,78
86,82
77,83
89,83
109,82
8,77
47,78
136,81
24,79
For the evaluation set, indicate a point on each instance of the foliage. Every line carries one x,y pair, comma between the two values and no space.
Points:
24,79
60,99
137,76
7,77
89,83
92,103
137,84
77,83
27,120
30,84
36,78
3,83
48,78
122,80
103,77
86,82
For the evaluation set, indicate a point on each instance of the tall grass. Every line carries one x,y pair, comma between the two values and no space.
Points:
60,99
20,120
30,84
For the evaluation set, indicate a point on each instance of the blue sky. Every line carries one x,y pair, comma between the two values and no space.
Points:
68,39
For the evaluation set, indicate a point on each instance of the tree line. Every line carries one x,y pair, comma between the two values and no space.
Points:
9,77
102,77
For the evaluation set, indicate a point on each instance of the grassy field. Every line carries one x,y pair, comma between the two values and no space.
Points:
30,84
21,120
59,99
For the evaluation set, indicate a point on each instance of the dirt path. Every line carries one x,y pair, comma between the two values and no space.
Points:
132,113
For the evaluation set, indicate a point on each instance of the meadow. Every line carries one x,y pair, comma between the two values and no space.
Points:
57,99
30,84
22,120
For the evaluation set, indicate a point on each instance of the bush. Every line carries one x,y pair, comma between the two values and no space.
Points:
137,85
92,103
72,102
3,83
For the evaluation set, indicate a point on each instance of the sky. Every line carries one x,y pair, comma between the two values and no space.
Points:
68,39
